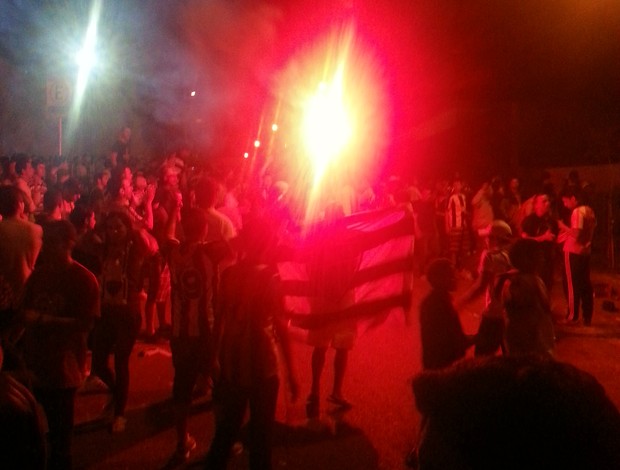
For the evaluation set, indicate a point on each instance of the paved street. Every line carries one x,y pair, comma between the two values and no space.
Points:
375,434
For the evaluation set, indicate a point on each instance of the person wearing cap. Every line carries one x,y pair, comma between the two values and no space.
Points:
494,261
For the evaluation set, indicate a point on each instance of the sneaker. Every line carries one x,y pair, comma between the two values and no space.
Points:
107,412
119,424
184,450
94,384
339,401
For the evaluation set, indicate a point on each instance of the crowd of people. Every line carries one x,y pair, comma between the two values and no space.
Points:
94,254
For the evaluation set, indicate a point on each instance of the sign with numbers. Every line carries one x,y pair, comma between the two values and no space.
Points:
58,96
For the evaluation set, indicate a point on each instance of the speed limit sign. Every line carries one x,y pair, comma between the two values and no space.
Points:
58,93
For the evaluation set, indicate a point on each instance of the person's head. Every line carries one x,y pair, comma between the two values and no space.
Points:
39,168
499,234
102,178
514,185
542,204
120,188
71,190
457,186
11,202
117,228
194,222
140,183
52,201
497,186
124,134
169,177
58,240
571,197
515,413
23,166
83,218
426,192
62,175
207,192
139,188
441,275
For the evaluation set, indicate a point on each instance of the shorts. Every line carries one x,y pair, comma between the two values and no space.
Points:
339,335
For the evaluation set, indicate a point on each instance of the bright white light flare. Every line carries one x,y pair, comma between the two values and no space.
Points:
86,57
336,97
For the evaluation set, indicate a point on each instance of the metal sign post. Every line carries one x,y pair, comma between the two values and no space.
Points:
58,92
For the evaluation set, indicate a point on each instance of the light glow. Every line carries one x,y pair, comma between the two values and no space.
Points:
86,58
327,128
335,96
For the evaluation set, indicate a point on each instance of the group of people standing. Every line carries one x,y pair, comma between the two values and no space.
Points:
77,279
74,280
516,274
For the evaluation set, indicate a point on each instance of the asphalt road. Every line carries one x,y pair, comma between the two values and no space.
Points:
375,434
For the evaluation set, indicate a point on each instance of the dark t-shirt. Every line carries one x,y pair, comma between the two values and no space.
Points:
249,302
122,151
443,340
427,222
56,354
534,226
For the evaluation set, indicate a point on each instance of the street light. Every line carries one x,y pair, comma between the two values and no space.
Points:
86,57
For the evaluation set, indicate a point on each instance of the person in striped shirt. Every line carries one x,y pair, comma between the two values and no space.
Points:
577,251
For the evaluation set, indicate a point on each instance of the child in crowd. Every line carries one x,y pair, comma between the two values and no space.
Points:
494,260
443,339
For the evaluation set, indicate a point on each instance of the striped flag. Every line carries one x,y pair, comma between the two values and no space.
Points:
357,268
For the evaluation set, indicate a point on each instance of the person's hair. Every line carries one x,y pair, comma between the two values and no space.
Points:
21,162
572,191
439,273
194,221
519,412
58,233
10,197
70,189
206,192
114,186
79,215
52,199
496,183
38,161
538,195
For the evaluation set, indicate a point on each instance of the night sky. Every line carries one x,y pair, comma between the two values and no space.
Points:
478,85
